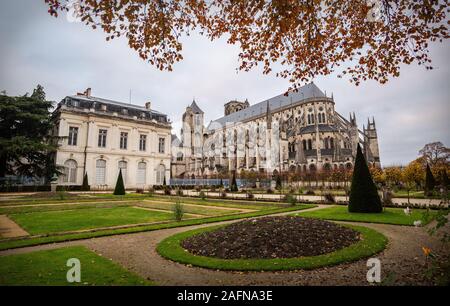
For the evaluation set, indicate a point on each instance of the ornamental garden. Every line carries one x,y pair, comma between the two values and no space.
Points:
217,230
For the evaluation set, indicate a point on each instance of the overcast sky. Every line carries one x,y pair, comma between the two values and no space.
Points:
67,57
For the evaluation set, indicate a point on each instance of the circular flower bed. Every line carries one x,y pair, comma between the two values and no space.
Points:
272,243
272,237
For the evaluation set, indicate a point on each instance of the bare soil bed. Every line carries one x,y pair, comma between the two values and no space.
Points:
272,237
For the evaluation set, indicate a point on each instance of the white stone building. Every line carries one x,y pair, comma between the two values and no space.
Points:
101,136
300,131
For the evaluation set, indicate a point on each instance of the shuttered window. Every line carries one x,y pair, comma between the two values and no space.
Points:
100,172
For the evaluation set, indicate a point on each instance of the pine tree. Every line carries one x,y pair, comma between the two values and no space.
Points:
234,187
120,188
26,146
430,182
85,186
364,196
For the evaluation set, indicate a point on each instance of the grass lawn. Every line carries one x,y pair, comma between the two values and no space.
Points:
372,243
49,268
191,208
135,229
78,219
389,216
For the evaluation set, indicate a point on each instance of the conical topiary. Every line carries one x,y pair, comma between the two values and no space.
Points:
430,182
120,188
85,186
364,196
278,184
444,179
234,187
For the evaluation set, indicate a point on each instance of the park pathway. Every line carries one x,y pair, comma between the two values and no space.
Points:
402,262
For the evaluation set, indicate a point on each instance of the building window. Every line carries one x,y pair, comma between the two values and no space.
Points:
304,144
161,147
102,138
70,171
100,171
73,136
123,168
142,142
160,174
141,173
123,140
309,144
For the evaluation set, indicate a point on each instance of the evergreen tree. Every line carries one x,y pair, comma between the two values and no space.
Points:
430,182
120,188
85,186
278,184
164,181
444,179
234,187
221,183
26,147
364,197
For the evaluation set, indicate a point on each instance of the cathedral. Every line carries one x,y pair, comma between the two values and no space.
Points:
300,131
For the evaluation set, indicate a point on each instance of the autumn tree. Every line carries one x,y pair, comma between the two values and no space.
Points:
437,156
412,175
298,39
430,182
378,175
393,175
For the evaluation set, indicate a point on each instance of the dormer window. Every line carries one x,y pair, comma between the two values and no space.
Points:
124,111
103,107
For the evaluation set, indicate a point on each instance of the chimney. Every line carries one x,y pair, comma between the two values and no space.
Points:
87,93
148,105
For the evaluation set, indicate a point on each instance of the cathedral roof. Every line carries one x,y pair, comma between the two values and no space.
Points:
275,103
322,128
195,108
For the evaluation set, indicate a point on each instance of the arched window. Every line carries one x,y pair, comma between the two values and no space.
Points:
332,143
70,171
160,174
304,144
141,173
309,144
123,166
100,171
325,143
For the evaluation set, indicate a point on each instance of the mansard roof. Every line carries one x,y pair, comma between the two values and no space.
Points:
91,102
195,108
275,103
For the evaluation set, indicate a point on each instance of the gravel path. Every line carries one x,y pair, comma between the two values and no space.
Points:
402,262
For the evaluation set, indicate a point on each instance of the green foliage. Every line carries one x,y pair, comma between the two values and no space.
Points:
85,186
233,186
364,196
178,211
278,184
120,188
430,182
26,146
202,195
290,198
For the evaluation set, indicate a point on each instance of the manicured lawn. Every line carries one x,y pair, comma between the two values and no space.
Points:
78,219
191,208
49,268
389,216
77,236
371,243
